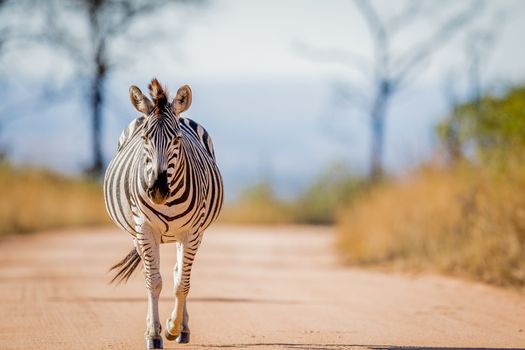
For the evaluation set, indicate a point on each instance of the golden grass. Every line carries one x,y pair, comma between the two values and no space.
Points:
467,221
257,206
318,204
255,214
36,199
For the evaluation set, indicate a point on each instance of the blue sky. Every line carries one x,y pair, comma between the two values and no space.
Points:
268,107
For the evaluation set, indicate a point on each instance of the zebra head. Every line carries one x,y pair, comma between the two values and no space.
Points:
161,135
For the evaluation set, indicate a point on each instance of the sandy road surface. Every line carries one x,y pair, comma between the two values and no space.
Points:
251,288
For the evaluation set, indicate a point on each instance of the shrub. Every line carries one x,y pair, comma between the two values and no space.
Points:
466,221
35,199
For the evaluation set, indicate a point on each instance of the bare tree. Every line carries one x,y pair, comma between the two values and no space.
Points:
105,22
391,71
6,36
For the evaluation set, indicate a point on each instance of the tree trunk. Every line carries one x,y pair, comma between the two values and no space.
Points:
97,103
377,120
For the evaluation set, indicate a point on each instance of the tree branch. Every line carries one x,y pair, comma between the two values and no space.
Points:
411,11
337,56
375,25
422,51
380,38
346,92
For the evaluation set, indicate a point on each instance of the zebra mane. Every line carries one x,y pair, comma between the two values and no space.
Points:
158,94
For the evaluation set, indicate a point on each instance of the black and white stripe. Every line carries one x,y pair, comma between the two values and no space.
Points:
163,186
195,185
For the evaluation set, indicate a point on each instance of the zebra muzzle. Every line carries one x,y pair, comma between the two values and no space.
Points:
159,191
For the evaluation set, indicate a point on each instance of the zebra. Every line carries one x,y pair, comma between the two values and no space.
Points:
163,186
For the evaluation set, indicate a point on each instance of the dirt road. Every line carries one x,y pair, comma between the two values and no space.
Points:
251,288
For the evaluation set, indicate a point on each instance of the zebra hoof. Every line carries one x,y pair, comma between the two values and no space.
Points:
155,343
183,338
169,336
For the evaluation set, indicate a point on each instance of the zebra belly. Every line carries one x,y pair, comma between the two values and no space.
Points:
171,227
117,189
118,203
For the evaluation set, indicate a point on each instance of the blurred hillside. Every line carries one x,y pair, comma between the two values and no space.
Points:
317,204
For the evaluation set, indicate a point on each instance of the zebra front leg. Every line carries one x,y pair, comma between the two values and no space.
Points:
177,325
148,243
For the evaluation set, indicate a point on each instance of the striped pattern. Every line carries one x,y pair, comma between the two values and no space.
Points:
163,144
196,191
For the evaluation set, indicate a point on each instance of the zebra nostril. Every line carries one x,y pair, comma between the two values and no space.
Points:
159,185
163,177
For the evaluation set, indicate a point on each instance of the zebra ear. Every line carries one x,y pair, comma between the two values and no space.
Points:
182,100
139,101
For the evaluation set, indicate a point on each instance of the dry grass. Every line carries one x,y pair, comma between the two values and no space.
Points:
466,221
318,203
257,206
35,199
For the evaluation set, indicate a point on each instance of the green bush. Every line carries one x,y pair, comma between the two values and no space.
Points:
493,126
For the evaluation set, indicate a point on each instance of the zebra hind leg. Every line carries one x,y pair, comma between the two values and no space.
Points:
184,336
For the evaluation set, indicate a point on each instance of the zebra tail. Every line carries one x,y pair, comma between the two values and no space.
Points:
125,267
